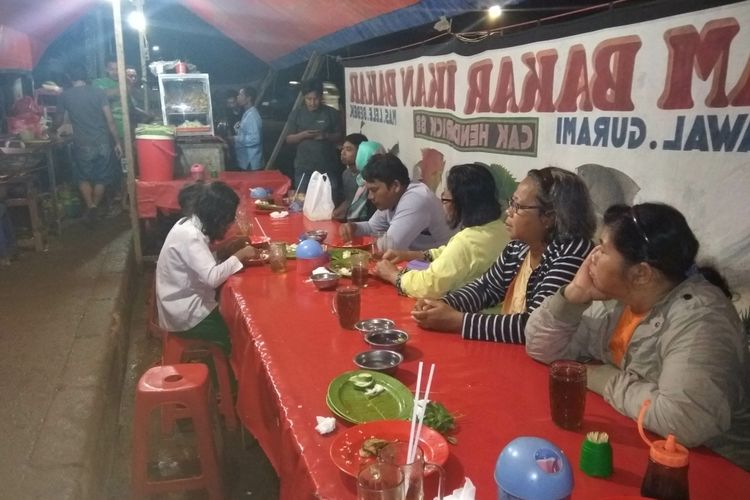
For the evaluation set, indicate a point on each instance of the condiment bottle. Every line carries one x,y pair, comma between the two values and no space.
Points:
666,476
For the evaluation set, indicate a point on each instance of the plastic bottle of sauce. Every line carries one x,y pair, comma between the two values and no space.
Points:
666,476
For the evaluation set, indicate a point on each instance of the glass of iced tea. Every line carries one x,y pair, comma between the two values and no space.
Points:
567,393
346,306
277,256
360,272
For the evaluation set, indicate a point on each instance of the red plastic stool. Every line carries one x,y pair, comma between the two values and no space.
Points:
162,386
176,349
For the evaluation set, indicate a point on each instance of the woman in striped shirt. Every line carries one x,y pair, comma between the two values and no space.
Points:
550,220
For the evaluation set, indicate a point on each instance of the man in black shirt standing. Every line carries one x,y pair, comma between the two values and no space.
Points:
316,129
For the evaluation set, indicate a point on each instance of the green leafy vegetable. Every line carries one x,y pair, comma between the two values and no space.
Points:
437,417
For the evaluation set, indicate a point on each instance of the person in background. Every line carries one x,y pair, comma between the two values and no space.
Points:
187,273
248,140
350,174
94,134
408,211
550,222
664,328
361,208
470,205
315,129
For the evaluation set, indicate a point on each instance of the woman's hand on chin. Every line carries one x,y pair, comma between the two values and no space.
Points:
582,289
437,315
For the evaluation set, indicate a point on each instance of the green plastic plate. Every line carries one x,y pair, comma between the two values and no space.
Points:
351,404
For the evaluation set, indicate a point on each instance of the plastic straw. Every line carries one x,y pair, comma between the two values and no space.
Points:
414,411
301,180
260,227
426,397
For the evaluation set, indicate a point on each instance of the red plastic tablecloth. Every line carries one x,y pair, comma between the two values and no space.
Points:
288,346
154,195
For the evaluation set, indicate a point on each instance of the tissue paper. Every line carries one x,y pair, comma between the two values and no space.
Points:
325,425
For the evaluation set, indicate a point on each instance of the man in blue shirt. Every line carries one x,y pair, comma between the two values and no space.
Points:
248,142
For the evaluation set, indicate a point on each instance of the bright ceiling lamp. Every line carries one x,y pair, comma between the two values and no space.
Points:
137,21
495,11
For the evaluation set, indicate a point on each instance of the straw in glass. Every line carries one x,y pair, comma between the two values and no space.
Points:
426,397
260,227
414,411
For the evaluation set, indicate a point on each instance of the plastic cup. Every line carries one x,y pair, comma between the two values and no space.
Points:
380,481
567,393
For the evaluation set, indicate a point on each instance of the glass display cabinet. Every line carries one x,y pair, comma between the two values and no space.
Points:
186,103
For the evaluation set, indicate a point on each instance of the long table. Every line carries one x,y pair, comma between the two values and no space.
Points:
288,346
154,195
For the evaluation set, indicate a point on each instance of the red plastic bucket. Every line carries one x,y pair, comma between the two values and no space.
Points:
156,156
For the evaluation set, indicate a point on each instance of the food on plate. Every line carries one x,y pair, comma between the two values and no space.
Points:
372,446
374,390
437,416
362,381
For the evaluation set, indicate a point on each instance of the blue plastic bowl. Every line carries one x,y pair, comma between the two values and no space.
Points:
259,193
309,249
532,468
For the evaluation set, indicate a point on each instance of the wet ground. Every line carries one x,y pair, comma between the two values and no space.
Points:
72,345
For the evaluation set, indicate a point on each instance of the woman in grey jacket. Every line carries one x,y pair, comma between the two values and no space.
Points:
664,329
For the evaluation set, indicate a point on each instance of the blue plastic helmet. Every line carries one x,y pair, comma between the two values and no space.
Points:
532,468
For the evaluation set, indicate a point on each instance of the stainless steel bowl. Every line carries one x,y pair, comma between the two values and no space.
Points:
374,324
391,340
325,281
318,235
379,360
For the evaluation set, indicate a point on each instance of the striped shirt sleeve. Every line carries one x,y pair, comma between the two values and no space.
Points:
559,265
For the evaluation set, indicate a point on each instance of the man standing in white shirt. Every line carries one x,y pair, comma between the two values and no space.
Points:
187,273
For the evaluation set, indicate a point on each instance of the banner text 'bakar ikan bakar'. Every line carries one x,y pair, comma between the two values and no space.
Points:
651,111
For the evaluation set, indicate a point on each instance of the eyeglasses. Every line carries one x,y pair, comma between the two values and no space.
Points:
514,206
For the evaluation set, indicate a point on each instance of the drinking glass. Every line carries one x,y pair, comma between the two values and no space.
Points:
380,481
567,393
380,244
414,470
360,272
346,306
242,220
277,256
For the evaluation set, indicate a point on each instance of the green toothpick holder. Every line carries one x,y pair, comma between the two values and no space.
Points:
596,455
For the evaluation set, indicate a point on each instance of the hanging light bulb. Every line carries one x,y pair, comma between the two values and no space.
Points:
494,11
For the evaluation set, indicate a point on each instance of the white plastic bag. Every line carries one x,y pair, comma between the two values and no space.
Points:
319,198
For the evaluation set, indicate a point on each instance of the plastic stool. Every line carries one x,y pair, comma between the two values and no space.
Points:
176,349
185,385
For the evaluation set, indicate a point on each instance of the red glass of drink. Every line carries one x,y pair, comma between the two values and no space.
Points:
346,306
359,269
567,393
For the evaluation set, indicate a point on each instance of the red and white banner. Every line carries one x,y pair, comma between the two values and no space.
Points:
653,111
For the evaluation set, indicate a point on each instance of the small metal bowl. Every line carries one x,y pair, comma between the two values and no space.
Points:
325,281
379,360
374,324
318,235
391,340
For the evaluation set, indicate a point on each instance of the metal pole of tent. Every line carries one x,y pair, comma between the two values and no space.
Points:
143,49
313,65
128,146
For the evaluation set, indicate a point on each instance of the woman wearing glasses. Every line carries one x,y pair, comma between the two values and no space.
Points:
550,222
664,328
470,204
